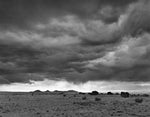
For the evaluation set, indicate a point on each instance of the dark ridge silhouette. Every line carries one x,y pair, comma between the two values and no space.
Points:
37,92
47,91
58,92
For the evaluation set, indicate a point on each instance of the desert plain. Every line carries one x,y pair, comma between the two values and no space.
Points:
71,104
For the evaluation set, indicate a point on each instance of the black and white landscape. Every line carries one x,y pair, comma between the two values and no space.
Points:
73,104
81,45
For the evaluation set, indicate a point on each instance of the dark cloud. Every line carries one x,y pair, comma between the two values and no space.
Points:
24,13
74,40
138,18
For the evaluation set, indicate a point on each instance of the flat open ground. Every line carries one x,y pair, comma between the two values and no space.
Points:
71,105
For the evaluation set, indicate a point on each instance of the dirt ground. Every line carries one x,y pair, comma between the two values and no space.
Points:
71,105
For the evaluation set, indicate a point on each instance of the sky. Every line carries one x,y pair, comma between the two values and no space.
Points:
69,44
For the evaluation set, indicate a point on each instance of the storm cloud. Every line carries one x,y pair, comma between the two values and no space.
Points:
77,41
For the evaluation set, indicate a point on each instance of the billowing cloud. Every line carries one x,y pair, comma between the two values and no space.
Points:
24,13
129,60
137,18
78,41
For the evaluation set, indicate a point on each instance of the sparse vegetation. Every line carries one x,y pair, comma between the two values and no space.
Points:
116,93
97,99
139,100
64,95
125,94
109,93
54,104
145,95
94,93
134,95
82,93
84,98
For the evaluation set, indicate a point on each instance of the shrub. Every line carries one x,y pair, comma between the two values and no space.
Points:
116,93
82,93
139,100
145,95
84,98
135,95
94,93
97,99
109,93
64,95
125,94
